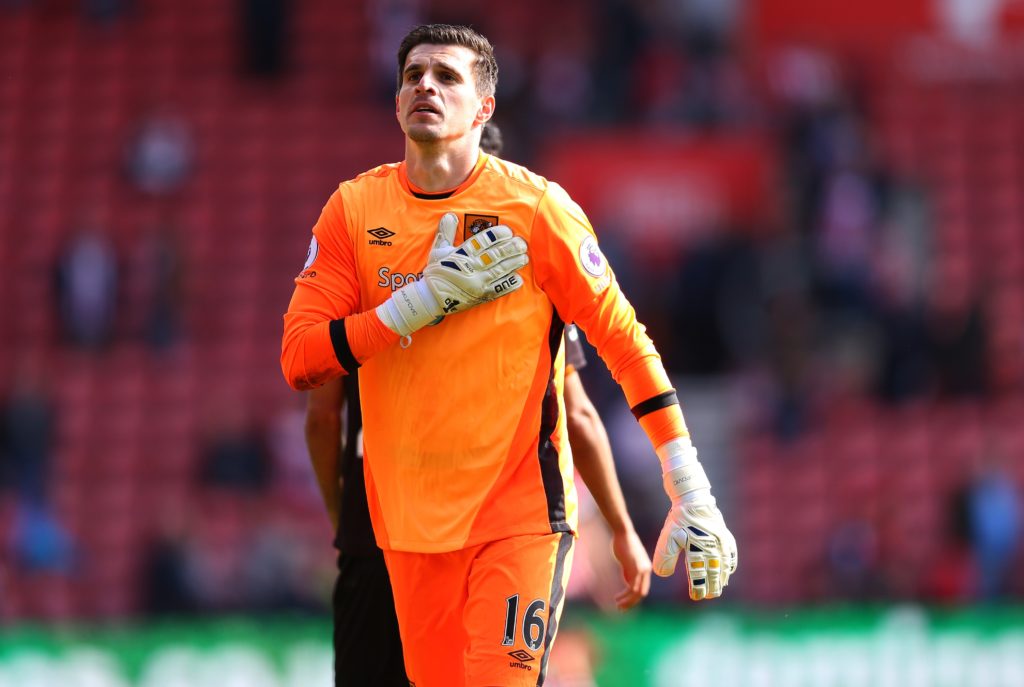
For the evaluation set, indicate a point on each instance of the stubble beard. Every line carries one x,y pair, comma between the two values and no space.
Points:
423,135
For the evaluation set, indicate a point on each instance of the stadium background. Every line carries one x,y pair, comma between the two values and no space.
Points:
815,206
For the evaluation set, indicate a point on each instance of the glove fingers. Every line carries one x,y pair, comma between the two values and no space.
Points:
714,569
500,270
477,243
697,572
504,283
500,250
666,553
446,228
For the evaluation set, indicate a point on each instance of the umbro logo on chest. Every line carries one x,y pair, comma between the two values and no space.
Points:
380,236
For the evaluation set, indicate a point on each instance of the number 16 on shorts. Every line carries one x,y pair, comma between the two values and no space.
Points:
532,625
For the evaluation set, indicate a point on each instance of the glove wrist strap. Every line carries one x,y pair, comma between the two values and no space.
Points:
410,308
683,475
677,453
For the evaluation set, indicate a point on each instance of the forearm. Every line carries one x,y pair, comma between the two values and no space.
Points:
592,456
322,440
317,350
635,365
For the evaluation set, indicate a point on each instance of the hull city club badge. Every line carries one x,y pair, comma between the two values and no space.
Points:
474,224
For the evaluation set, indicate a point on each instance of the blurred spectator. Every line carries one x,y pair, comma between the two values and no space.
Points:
87,287
993,513
235,453
279,572
903,368
27,437
294,482
28,432
265,27
562,82
105,12
157,267
168,583
160,154
958,338
953,577
41,544
853,558
624,34
390,20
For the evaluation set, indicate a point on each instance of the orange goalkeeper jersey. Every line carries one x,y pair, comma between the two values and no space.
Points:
464,433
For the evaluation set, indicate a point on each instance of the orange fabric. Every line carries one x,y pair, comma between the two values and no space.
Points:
367,335
484,604
492,460
664,425
325,290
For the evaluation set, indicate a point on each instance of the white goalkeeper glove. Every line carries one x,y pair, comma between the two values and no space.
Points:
455,279
694,525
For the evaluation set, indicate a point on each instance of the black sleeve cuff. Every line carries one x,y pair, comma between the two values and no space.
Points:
658,402
341,348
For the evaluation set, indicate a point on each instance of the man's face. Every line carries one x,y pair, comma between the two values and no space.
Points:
438,99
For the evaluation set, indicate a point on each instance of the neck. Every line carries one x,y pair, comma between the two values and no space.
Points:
439,167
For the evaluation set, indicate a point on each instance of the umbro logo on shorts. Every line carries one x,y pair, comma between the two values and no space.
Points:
380,236
521,659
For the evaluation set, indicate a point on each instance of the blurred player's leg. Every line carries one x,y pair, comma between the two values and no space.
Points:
367,647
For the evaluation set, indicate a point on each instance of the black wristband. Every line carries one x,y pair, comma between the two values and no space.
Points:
341,348
655,403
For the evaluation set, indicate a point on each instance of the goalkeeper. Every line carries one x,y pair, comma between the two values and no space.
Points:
467,466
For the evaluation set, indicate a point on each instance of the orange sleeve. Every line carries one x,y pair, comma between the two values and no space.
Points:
576,276
325,291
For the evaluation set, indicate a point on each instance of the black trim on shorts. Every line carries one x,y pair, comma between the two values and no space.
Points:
342,351
547,452
663,400
554,600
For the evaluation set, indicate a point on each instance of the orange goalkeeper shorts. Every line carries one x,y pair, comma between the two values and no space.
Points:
484,615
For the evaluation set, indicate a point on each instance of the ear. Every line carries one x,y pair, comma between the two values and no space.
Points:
486,110
398,111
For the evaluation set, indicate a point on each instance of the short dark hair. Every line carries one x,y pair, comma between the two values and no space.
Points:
491,141
485,69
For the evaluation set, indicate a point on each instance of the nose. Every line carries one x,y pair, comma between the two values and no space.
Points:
425,84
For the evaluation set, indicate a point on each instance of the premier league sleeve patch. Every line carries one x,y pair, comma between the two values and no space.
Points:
594,264
314,249
591,258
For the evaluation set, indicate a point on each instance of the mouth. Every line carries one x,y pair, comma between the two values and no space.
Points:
425,109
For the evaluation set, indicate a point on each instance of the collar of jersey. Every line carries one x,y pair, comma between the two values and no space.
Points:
403,179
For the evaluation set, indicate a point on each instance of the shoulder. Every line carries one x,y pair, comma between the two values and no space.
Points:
366,187
371,178
522,179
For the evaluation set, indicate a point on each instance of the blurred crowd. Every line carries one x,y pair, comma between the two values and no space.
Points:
839,295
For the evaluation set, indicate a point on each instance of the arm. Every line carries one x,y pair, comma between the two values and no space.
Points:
592,455
574,274
323,439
